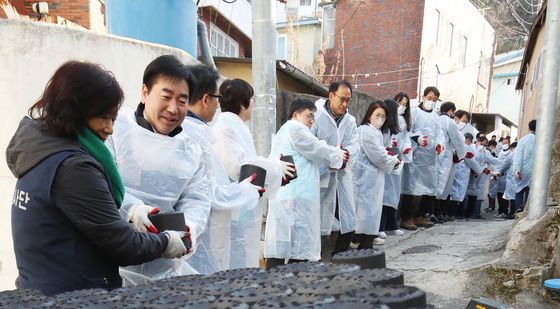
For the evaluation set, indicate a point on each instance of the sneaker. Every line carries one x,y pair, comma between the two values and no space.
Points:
451,218
434,219
395,233
409,225
378,241
501,216
423,222
382,235
354,245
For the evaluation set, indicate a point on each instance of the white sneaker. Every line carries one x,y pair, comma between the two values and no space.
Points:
395,232
378,241
354,245
382,235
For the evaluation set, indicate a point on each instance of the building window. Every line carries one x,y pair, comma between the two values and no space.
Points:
450,30
281,47
329,19
221,44
305,2
438,16
463,51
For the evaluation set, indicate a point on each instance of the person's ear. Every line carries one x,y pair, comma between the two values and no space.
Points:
144,93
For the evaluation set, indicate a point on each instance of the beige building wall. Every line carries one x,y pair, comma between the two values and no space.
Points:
463,53
531,86
31,52
302,45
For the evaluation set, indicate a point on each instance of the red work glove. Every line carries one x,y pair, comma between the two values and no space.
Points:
423,140
486,171
394,143
407,150
439,148
469,155
389,152
518,175
188,237
346,157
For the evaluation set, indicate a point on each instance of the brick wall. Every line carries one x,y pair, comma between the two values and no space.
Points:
77,11
379,36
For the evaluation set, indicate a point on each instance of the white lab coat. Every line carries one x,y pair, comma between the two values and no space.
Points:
523,161
392,190
482,182
369,170
165,172
453,142
293,222
213,252
463,175
420,175
509,192
337,182
234,147
502,156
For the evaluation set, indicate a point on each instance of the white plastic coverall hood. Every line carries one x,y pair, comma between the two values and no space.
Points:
523,161
213,251
165,172
338,182
293,221
234,147
419,176
453,141
369,170
392,192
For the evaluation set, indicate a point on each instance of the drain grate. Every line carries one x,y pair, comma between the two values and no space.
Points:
421,249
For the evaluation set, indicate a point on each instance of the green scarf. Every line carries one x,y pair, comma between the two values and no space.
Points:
97,149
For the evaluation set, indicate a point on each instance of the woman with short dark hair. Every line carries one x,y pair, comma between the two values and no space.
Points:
234,147
67,230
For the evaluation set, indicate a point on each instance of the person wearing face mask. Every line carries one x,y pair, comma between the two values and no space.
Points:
337,127
371,166
454,151
486,161
507,169
504,156
420,176
294,216
493,188
160,165
463,191
401,140
523,166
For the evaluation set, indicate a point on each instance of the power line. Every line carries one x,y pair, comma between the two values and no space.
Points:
370,74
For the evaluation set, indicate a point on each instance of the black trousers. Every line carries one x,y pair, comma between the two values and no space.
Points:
388,219
343,240
365,241
503,204
491,203
416,206
272,262
471,204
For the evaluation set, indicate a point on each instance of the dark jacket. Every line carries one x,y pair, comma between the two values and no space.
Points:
68,233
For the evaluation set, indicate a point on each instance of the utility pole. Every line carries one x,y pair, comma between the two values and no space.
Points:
547,103
264,76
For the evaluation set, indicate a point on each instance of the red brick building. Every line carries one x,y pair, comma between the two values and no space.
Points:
377,46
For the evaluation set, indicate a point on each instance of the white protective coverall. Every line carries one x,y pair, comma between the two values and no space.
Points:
165,172
507,165
420,175
213,251
463,175
453,141
336,182
369,170
523,161
392,190
502,157
234,147
486,160
293,222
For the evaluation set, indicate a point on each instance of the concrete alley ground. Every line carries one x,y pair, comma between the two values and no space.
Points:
444,272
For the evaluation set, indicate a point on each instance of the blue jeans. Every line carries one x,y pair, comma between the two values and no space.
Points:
521,198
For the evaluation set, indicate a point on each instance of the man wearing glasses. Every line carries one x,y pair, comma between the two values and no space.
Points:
337,127
213,252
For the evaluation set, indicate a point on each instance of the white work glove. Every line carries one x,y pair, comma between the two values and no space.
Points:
248,182
423,140
287,169
175,247
138,216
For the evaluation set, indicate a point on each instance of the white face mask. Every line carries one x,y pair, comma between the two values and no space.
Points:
461,125
429,105
378,123
401,109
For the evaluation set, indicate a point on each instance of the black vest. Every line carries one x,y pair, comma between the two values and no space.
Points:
52,255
